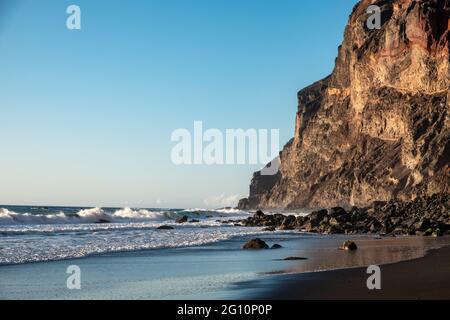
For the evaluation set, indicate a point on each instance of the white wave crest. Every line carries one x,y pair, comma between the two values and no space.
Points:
144,214
125,215
94,215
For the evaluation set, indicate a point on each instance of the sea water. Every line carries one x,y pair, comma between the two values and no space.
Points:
121,255
36,234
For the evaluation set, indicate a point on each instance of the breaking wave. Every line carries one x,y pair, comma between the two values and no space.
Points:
99,215
45,234
95,215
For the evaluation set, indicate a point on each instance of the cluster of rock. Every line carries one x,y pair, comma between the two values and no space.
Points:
423,216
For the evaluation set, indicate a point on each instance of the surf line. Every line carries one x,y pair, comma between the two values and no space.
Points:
194,311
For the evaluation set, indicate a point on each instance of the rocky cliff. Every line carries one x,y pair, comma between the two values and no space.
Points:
378,127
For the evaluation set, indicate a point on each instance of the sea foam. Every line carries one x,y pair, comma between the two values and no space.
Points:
99,215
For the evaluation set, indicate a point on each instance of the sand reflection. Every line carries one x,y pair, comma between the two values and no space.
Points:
324,255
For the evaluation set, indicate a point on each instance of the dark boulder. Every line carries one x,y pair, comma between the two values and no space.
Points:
289,223
277,246
255,244
182,219
334,229
349,246
422,225
259,215
337,211
375,226
103,221
316,217
165,228
300,221
269,221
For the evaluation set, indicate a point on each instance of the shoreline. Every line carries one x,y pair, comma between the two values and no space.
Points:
221,271
424,278
134,251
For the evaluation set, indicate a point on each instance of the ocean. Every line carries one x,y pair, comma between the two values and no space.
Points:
37,234
121,255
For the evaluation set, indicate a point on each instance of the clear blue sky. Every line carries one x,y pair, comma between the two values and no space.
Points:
86,116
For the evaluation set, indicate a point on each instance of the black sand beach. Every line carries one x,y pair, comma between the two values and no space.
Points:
420,279
224,271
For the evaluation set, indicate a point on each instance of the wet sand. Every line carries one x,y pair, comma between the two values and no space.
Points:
224,271
419,279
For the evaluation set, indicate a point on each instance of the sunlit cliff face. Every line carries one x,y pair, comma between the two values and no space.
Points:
378,127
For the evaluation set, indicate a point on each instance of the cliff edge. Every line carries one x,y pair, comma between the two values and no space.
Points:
378,127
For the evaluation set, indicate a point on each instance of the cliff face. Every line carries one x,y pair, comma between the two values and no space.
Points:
378,127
